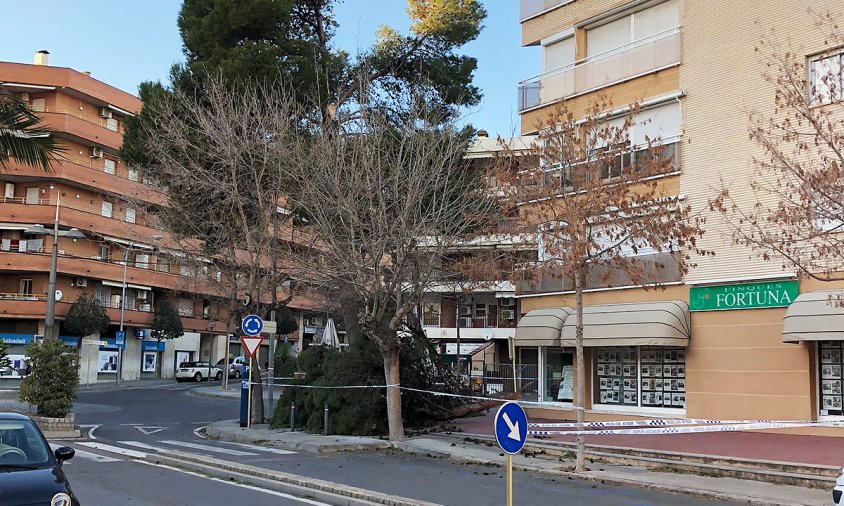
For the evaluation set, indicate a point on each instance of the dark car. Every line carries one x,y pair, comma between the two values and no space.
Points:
30,473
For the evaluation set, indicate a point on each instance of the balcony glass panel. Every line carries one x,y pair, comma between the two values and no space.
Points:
639,57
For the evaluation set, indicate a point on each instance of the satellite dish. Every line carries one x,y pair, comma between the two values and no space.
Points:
246,300
59,295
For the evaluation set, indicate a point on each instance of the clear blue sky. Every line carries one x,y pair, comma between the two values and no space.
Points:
125,43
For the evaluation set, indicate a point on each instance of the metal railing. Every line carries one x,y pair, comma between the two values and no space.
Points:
23,296
94,120
139,218
630,60
497,380
530,8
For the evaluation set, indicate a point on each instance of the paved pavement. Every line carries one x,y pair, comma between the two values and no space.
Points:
751,445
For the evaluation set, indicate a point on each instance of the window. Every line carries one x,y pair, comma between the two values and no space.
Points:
102,295
111,124
558,54
107,209
622,373
480,310
26,287
825,79
831,378
185,307
133,174
105,252
185,270
637,26
163,264
142,261
39,104
109,166
130,215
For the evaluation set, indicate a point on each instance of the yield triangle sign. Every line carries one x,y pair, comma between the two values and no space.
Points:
251,344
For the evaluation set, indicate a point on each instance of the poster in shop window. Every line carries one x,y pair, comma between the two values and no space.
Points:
150,359
107,362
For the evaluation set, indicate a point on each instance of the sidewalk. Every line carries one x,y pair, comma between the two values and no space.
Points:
816,450
460,450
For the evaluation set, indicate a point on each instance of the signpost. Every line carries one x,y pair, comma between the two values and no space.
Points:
251,344
511,434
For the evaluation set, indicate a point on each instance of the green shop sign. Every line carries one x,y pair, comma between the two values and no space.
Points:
743,296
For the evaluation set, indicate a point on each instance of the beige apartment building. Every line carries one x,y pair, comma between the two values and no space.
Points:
737,337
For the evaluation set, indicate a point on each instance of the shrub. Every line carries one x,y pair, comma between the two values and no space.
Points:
53,378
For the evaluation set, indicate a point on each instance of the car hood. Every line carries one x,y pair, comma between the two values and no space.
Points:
35,486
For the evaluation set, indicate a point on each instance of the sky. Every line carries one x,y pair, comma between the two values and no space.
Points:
125,43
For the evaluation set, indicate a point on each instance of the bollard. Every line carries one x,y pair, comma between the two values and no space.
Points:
292,417
325,420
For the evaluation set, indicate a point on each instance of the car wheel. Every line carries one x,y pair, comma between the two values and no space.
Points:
197,377
178,380
219,376
236,374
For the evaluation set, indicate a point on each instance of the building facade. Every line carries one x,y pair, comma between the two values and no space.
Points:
92,190
713,343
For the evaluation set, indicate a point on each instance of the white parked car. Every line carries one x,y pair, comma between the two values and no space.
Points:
197,371
838,491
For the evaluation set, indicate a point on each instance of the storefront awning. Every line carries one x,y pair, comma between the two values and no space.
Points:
542,327
663,323
815,316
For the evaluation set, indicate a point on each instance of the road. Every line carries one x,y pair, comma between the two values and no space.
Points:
130,422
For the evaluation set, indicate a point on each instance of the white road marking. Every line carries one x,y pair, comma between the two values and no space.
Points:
143,445
241,485
197,434
146,430
257,448
91,429
113,449
236,453
87,455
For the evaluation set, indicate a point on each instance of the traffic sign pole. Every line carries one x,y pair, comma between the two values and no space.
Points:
509,480
249,401
510,429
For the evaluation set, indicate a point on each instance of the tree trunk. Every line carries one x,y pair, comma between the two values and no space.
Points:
580,463
158,360
393,377
257,393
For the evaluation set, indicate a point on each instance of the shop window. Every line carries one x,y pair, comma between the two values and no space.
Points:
640,376
832,378
559,375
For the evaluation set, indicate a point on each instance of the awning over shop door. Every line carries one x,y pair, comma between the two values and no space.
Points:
663,323
541,327
815,316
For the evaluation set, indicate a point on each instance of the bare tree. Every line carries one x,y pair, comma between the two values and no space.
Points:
592,202
385,204
796,214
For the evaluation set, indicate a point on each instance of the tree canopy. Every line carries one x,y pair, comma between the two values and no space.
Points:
23,136
85,317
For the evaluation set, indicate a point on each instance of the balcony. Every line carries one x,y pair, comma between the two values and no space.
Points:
82,129
658,268
641,57
530,8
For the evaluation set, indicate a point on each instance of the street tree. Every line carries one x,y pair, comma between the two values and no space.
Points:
592,202
4,355
84,318
384,206
166,325
795,214
23,136
53,378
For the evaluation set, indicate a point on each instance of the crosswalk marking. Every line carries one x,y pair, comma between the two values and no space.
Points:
143,445
113,449
196,446
87,455
277,451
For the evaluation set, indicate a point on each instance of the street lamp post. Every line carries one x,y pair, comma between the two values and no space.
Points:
73,233
122,309
211,325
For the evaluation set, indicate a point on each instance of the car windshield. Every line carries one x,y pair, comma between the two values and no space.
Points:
21,446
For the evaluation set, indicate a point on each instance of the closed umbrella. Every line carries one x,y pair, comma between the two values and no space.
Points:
329,336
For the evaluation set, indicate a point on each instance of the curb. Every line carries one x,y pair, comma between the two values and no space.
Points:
301,486
306,446
407,446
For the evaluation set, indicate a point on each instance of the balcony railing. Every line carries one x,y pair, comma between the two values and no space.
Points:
22,296
530,8
625,62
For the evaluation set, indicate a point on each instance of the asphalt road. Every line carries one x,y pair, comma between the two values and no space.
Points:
129,422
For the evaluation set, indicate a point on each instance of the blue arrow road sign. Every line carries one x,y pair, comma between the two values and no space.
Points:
511,427
252,325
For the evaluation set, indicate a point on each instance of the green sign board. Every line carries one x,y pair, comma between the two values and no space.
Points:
743,296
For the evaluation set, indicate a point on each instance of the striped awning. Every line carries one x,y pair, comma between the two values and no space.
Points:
815,316
542,327
662,323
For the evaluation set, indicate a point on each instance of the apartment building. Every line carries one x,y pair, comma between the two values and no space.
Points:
118,246
713,343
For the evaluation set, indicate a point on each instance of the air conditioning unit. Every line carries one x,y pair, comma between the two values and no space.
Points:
95,152
24,96
509,314
465,310
105,112
142,295
81,282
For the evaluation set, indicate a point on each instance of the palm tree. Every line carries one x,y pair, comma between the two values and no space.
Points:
22,136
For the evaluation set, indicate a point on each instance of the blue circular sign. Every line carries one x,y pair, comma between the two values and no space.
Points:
511,427
252,325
